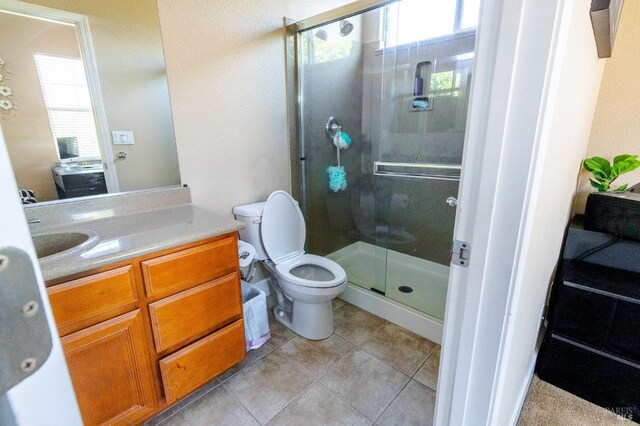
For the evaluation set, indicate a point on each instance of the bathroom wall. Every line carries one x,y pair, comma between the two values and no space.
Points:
616,128
128,48
226,71
27,131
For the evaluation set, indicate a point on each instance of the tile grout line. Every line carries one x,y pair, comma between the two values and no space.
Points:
392,400
425,361
355,347
237,399
292,401
343,400
229,391
186,406
289,403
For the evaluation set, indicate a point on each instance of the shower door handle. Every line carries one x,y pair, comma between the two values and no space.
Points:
452,201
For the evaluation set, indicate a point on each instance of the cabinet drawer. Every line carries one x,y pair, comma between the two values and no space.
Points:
87,301
198,363
194,312
173,272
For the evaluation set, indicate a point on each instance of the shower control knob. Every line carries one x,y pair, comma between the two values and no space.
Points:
452,201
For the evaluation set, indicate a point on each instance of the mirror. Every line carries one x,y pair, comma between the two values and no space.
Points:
84,101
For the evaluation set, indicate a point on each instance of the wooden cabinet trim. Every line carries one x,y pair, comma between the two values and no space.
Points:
193,366
140,307
87,301
163,276
78,347
205,308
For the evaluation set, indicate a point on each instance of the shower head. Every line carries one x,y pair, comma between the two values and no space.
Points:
345,28
321,34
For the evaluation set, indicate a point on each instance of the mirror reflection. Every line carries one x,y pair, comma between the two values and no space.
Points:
84,102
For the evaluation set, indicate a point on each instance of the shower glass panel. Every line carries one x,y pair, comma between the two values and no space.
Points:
396,82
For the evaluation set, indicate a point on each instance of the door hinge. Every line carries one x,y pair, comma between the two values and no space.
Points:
460,253
25,340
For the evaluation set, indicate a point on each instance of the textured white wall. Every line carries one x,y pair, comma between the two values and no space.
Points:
226,70
616,128
564,146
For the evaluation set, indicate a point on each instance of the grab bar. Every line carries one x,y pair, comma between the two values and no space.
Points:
436,171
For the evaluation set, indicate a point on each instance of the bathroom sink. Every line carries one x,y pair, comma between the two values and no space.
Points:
52,246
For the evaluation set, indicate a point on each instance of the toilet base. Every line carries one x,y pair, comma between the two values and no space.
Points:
313,321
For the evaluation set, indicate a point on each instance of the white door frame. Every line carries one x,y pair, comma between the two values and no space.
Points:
46,397
81,23
516,41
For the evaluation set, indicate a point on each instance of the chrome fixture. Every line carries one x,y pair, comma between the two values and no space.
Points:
32,221
345,28
122,155
321,34
434,171
332,127
452,201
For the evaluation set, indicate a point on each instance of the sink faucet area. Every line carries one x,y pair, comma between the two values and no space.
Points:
84,234
54,246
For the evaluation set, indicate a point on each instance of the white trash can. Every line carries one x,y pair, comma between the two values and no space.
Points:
256,319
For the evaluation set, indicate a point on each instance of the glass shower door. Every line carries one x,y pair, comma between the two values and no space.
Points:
390,87
340,209
418,137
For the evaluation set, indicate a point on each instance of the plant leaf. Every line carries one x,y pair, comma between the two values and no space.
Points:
598,186
624,166
597,163
623,157
600,176
621,188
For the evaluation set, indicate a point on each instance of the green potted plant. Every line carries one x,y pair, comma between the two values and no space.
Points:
604,173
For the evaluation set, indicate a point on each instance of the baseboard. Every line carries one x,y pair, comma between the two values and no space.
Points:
522,394
397,313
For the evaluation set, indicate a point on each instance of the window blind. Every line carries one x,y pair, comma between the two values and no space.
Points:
66,96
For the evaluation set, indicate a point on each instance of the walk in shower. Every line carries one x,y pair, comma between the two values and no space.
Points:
378,128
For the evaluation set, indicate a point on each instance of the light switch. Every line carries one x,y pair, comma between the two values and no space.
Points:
122,137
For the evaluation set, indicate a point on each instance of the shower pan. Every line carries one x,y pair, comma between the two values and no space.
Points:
398,84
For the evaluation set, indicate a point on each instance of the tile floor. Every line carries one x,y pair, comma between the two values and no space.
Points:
368,372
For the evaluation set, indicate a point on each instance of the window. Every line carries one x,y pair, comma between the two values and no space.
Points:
409,21
66,97
445,83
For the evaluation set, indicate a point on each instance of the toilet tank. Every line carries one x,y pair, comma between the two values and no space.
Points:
251,216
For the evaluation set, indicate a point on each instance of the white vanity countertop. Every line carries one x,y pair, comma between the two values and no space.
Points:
127,236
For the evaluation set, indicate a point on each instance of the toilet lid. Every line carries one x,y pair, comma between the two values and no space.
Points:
283,229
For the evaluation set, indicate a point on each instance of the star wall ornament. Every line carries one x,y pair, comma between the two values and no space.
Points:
7,106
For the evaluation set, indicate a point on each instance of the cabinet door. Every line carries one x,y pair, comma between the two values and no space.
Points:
110,371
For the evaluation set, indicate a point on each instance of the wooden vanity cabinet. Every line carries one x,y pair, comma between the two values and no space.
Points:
111,374
139,335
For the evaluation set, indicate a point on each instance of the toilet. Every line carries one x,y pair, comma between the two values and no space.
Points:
305,283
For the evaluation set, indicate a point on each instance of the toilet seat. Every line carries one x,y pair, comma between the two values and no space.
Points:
282,230
339,274
283,236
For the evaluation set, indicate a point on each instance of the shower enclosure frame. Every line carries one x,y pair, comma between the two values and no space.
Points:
518,43
410,317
